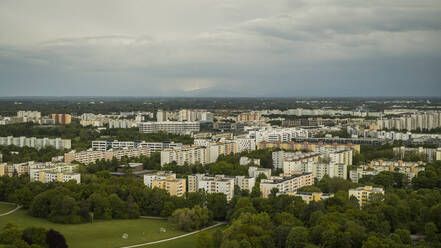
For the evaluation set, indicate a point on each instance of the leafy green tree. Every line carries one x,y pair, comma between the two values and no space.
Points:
118,206
218,204
297,237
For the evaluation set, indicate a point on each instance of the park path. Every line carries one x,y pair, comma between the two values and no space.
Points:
177,237
10,212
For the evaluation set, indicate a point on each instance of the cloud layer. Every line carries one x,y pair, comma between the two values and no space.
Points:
221,48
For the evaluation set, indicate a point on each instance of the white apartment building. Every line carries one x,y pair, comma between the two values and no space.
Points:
123,123
319,170
246,161
37,143
104,145
91,156
212,184
285,183
363,194
195,115
254,171
270,134
206,153
53,172
417,121
29,114
170,127
245,183
186,154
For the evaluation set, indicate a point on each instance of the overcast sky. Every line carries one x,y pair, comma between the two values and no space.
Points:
220,48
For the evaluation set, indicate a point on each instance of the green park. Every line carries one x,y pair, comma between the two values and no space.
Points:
102,233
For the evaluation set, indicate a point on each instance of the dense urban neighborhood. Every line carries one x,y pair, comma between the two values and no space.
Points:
367,175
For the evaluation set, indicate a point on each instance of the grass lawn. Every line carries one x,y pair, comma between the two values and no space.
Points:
186,242
100,233
6,207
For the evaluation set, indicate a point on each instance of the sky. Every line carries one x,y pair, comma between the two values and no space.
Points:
277,48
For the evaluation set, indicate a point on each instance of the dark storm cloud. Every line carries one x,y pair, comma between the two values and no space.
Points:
235,48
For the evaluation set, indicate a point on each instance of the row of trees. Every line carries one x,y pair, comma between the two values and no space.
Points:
14,154
101,197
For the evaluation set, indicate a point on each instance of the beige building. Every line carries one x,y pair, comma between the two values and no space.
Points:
14,169
174,186
166,180
62,119
363,194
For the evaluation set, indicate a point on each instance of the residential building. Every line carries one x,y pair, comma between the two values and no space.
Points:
306,146
123,123
247,161
212,184
186,154
364,194
91,156
104,145
410,169
313,196
175,127
37,143
430,154
167,181
53,172
35,115
285,183
62,119
254,171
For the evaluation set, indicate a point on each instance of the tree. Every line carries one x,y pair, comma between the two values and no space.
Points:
100,206
190,219
218,204
10,234
35,235
132,208
118,206
374,242
431,231
55,239
404,236
297,237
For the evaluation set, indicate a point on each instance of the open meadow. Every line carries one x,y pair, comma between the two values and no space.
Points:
100,233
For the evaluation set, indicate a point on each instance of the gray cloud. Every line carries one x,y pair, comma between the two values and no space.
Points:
249,48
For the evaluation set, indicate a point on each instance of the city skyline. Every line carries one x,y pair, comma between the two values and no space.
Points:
220,48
